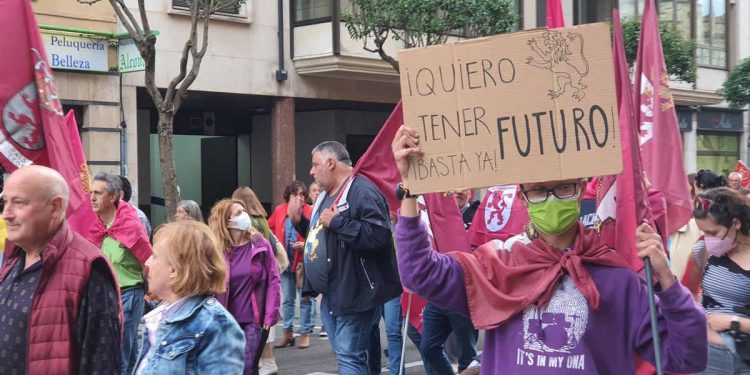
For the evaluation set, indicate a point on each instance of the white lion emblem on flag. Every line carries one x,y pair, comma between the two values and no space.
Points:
499,206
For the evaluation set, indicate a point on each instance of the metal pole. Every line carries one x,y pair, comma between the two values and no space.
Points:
654,320
123,137
401,369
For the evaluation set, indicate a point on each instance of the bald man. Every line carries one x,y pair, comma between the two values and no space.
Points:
58,299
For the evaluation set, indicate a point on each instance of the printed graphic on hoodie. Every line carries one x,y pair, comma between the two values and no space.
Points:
551,335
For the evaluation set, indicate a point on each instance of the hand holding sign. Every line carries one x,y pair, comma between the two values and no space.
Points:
405,146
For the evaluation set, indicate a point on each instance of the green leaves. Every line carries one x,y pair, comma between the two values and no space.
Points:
679,50
420,23
736,89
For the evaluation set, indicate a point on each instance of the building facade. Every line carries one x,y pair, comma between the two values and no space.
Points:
281,76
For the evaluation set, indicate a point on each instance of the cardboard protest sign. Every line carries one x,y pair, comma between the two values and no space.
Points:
523,107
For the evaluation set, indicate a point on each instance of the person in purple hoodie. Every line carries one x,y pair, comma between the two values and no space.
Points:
554,300
252,295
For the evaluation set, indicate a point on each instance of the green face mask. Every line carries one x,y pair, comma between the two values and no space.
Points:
554,216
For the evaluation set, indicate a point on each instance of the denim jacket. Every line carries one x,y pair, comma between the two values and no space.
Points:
200,338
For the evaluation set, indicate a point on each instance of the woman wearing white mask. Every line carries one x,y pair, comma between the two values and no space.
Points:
252,295
724,259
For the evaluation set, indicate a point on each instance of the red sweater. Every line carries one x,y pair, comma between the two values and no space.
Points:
276,224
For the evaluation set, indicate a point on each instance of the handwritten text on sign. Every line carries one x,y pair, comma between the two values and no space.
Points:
522,107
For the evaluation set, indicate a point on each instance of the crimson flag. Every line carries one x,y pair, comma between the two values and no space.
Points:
378,164
661,146
622,200
501,215
555,14
32,128
80,219
742,168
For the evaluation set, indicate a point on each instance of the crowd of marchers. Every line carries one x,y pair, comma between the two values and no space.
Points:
204,297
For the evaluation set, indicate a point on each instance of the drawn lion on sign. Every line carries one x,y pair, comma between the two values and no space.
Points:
556,56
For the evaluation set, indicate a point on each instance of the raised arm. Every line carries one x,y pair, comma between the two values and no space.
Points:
436,277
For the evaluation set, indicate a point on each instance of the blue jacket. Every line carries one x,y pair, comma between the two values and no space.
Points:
360,245
200,338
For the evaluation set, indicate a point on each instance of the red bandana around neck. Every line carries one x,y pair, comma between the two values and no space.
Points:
501,283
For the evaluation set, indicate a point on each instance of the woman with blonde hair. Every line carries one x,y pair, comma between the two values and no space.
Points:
258,220
252,296
189,329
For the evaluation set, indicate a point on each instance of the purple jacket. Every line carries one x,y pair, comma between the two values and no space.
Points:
253,287
566,337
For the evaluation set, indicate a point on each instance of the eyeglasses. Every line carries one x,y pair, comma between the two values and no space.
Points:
562,191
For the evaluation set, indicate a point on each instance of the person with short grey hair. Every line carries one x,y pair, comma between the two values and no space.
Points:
113,184
334,150
124,241
734,180
349,256
188,210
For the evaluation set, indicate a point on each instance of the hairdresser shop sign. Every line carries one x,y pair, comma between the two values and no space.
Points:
523,107
76,53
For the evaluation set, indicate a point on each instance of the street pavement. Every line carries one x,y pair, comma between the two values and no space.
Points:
318,359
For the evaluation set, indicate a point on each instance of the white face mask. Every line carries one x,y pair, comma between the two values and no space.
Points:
240,222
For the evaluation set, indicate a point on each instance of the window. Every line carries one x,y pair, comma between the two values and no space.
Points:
710,33
678,12
589,11
718,152
226,7
313,10
707,27
631,8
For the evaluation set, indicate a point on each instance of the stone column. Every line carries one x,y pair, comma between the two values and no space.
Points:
690,145
282,147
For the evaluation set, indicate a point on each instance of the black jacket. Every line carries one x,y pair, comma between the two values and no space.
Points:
467,215
364,274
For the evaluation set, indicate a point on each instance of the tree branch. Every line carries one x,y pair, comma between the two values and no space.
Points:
124,12
186,52
196,64
144,18
204,46
147,48
379,42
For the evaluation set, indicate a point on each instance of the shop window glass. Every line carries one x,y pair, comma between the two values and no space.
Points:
718,152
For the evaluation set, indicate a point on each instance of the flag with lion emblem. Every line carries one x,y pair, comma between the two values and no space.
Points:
32,127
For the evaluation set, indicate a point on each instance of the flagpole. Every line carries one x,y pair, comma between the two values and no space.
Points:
404,335
654,321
